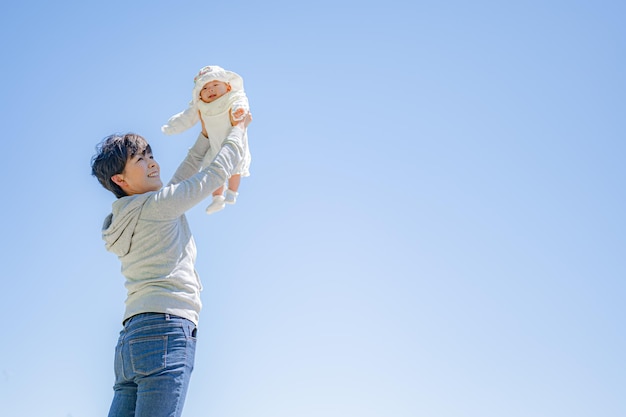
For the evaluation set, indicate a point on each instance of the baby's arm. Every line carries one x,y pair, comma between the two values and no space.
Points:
181,121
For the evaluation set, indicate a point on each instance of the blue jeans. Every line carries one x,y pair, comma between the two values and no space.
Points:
154,358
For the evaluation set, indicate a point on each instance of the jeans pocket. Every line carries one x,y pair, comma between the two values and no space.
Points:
147,354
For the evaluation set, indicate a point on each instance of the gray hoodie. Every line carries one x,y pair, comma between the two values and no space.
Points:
150,235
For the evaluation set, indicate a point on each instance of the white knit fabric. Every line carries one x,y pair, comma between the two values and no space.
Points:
216,115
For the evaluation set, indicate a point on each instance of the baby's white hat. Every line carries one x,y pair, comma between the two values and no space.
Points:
213,72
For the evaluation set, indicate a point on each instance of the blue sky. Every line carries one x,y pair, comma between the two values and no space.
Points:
434,224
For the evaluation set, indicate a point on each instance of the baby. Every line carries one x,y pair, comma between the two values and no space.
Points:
219,101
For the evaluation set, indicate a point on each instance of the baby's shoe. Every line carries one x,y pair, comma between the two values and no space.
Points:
216,205
231,196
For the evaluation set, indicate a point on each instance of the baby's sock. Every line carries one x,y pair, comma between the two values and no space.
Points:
231,196
216,205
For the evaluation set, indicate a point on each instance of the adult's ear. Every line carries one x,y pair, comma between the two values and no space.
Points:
118,179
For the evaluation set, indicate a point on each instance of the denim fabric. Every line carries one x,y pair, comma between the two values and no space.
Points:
154,359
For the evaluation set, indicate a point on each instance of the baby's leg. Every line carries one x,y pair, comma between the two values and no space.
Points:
233,186
233,182
219,191
218,202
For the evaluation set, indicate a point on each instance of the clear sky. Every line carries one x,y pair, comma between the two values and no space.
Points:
434,225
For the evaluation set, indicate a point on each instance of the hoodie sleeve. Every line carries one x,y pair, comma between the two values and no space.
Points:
178,197
193,161
182,121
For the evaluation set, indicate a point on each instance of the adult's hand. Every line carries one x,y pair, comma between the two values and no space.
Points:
204,132
243,123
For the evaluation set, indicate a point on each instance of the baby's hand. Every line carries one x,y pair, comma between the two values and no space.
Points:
244,122
237,115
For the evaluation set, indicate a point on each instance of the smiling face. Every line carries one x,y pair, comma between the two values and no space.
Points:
213,90
141,174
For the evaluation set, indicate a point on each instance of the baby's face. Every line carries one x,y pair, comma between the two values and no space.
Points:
213,90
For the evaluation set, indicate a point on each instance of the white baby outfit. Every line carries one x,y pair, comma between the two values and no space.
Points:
216,115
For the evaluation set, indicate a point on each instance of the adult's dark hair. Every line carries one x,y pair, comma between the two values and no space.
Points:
111,156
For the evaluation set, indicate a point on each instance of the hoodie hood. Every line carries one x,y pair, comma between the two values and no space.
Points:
119,226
